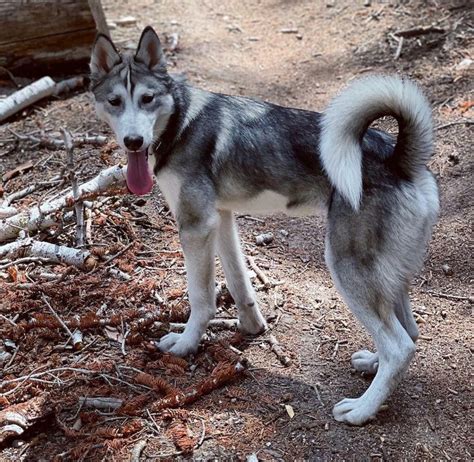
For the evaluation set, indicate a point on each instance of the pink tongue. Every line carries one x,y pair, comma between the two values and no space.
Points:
139,179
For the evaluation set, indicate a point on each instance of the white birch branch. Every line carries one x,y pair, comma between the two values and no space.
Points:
54,253
55,143
78,204
40,217
26,97
6,212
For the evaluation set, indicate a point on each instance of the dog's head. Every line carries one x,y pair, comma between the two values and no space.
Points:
133,95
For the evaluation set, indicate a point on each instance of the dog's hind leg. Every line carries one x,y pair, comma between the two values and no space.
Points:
251,320
367,362
405,315
375,310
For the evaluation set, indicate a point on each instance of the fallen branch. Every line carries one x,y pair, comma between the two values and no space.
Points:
35,92
39,217
54,253
420,30
6,212
26,97
50,142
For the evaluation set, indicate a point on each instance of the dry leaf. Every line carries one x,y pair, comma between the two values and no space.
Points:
290,410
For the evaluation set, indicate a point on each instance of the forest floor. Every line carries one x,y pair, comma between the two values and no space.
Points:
273,411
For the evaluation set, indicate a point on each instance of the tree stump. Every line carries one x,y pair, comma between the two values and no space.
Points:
48,36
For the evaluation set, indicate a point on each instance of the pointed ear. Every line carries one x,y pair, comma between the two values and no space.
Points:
149,51
104,56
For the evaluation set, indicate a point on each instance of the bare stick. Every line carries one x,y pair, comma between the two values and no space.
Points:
108,181
456,122
78,205
278,350
26,97
260,274
469,299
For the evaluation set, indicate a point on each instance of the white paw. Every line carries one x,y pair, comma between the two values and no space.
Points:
252,323
365,361
354,411
177,344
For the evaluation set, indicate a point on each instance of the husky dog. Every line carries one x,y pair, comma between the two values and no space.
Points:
214,154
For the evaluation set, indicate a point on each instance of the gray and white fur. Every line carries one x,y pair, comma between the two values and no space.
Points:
214,154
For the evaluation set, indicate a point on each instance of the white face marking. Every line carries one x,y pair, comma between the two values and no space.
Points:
133,119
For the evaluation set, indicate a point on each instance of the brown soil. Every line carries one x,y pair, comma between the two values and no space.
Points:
237,47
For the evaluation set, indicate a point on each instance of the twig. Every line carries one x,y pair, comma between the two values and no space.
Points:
78,205
260,274
66,328
278,350
456,122
470,299
399,48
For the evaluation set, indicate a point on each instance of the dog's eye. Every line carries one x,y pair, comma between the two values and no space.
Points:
146,99
115,101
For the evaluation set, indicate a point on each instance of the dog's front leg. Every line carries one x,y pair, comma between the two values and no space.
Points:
198,238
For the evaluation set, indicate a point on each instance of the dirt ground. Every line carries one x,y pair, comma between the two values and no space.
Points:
273,411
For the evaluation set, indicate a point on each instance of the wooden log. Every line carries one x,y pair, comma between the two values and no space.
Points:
48,36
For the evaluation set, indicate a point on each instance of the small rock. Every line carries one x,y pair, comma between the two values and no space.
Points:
464,65
299,36
253,39
447,270
111,25
126,21
289,30
265,238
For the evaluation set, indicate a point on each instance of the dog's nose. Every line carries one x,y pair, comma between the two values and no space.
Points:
134,143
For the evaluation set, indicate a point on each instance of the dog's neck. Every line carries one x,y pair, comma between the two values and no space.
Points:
163,146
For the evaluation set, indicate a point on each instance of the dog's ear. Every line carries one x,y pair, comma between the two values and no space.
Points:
149,51
104,56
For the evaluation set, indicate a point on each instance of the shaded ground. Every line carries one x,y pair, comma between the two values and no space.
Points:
237,47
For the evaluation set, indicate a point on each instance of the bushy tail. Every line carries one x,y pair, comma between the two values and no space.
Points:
349,115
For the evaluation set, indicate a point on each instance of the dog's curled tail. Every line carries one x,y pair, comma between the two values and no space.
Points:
348,116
